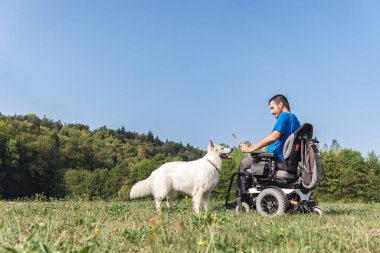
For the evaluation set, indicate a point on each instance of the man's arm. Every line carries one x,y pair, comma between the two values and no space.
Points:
263,143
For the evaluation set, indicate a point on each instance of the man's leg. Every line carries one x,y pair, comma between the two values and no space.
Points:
242,182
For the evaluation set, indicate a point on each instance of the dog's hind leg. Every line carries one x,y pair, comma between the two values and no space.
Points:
158,201
160,191
169,200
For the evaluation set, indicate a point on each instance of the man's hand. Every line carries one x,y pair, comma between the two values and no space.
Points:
263,143
245,148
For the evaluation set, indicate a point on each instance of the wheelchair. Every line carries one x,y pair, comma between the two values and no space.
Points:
275,188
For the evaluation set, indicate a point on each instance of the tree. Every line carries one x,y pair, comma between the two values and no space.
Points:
331,172
12,155
369,190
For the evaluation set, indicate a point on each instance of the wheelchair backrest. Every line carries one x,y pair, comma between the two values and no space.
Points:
292,147
302,157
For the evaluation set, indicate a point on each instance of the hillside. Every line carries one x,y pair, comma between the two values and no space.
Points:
43,156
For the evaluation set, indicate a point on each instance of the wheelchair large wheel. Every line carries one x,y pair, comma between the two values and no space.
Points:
271,202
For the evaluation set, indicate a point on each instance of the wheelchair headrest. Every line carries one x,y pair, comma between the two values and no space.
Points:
305,130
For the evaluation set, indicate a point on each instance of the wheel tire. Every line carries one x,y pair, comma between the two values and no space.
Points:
244,208
317,210
271,202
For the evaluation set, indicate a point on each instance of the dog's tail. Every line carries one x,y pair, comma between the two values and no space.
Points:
141,189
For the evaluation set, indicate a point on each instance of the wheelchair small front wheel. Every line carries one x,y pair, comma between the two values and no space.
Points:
317,210
271,202
244,208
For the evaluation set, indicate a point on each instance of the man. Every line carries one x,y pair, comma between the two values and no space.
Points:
285,125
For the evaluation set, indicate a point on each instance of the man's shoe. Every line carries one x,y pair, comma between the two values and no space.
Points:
231,206
247,199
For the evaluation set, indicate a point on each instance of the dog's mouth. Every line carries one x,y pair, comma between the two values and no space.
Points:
225,156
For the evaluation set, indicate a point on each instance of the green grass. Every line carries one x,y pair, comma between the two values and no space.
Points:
82,226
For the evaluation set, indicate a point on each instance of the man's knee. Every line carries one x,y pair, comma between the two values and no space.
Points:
245,164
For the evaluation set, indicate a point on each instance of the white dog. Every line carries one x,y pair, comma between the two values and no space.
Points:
197,178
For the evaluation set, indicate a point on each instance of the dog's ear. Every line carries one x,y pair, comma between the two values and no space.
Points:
210,145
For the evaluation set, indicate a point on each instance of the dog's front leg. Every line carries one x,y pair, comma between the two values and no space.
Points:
196,206
206,200
197,198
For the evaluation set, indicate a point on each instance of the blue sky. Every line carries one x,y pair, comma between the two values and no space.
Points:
191,71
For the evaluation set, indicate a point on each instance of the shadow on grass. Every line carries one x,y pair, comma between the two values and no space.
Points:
337,211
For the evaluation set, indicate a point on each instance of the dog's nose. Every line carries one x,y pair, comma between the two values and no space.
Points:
232,149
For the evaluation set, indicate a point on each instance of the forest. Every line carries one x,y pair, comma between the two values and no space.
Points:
40,156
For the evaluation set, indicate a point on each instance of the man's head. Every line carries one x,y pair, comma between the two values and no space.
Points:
278,104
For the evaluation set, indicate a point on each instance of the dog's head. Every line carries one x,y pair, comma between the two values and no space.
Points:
220,151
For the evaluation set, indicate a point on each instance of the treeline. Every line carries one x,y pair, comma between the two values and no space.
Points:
42,156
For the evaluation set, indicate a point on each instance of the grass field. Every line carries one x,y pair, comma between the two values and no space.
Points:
82,226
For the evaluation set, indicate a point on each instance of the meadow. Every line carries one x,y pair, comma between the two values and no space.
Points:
75,225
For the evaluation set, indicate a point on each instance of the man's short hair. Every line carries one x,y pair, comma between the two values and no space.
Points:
280,98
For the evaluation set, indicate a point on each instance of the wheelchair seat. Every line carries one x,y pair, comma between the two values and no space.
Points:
284,175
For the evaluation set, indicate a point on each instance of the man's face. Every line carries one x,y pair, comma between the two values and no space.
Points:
275,109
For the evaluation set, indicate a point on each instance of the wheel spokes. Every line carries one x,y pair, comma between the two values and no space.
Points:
270,204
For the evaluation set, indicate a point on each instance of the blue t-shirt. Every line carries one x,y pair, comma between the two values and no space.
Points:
286,124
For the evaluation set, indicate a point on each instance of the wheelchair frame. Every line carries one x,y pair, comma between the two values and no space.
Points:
274,199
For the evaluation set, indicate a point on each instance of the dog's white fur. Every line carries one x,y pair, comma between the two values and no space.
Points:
196,178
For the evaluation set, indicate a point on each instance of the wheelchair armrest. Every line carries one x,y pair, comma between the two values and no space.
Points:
255,154
267,155
263,155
